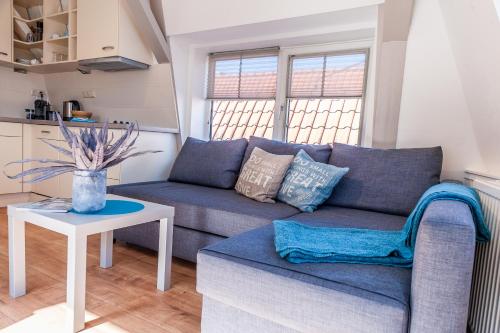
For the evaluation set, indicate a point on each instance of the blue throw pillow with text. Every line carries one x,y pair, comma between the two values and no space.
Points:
308,183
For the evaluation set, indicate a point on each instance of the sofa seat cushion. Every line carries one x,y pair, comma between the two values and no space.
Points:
385,180
217,211
332,216
244,271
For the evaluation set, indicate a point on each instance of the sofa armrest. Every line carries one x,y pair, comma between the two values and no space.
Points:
442,268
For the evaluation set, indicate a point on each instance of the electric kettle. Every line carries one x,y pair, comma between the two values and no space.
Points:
68,108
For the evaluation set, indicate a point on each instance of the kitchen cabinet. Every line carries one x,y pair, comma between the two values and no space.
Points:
23,142
106,29
5,30
49,187
114,172
60,186
112,182
36,149
11,141
53,51
65,180
72,30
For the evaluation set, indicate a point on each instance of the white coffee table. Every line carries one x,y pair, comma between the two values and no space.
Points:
77,227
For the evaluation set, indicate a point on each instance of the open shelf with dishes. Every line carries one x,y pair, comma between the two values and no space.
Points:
49,36
44,32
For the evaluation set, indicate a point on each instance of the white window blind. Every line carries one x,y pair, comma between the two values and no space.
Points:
327,75
243,74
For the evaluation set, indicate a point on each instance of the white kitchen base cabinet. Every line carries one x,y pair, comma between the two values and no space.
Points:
49,187
150,167
33,147
11,143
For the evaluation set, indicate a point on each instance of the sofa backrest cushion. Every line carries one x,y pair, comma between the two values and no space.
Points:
384,180
319,153
209,163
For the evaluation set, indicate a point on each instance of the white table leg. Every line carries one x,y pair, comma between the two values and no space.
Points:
75,292
165,253
17,257
107,249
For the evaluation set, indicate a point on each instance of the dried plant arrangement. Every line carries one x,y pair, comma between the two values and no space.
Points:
90,150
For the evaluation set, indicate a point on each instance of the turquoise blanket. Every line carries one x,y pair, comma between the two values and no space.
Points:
299,243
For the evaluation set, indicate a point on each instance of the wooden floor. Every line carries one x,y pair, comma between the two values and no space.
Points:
119,299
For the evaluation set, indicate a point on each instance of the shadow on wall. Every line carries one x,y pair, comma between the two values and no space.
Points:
15,91
146,96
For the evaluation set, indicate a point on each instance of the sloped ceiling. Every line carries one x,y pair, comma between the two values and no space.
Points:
474,32
434,110
188,16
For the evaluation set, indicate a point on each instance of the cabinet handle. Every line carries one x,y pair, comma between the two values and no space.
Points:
45,132
4,53
108,48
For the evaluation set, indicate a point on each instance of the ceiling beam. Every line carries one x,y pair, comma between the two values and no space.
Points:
150,29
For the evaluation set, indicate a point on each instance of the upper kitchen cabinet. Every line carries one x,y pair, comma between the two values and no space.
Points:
51,36
5,30
43,37
105,29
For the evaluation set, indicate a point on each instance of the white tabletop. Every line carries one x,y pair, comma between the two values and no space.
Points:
66,223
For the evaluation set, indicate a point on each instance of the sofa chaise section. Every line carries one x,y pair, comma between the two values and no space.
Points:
244,275
244,278
203,215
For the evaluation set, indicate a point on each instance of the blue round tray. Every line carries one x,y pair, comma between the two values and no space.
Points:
117,207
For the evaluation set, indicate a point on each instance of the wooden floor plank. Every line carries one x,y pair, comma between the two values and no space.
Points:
121,299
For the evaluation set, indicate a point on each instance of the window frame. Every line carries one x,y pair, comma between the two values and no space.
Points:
241,54
285,54
286,104
238,55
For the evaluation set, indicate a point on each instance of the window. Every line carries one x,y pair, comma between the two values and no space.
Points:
325,97
242,90
323,102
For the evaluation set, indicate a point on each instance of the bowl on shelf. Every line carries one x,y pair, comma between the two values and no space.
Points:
81,114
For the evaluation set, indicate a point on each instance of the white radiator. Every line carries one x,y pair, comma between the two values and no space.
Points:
484,313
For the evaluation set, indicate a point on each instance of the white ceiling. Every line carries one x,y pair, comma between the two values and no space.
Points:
188,16
345,25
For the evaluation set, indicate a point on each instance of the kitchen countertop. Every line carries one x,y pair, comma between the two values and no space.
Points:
78,124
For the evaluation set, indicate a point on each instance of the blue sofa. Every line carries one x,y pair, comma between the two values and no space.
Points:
247,287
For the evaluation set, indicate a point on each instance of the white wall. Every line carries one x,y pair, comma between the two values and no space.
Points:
144,96
474,31
434,109
497,7
190,51
15,91
188,16
190,79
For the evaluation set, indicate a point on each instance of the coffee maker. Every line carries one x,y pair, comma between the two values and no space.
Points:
68,108
40,107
